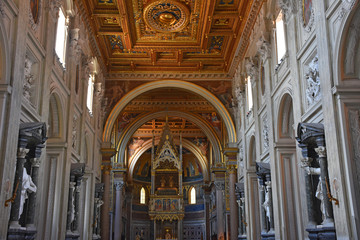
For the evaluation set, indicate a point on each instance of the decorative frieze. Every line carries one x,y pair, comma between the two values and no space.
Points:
252,68
313,90
265,133
346,7
54,7
2,9
288,7
264,48
74,132
28,78
75,48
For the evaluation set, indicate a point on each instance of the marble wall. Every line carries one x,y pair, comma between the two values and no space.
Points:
36,87
316,82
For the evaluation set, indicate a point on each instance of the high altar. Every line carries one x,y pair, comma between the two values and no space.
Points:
166,207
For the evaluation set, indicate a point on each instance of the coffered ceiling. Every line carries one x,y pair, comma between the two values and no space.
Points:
169,35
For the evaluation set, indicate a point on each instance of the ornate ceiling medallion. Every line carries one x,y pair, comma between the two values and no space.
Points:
166,16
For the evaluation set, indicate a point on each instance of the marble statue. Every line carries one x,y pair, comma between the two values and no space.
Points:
27,186
319,195
266,204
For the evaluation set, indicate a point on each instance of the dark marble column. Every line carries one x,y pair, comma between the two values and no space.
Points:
271,211
77,171
77,205
99,190
311,140
15,206
35,164
94,225
262,210
244,223
306,163
71,207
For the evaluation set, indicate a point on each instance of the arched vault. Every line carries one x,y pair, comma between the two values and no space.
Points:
216,103
201,123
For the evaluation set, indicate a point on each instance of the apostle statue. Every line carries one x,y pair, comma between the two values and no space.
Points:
28,186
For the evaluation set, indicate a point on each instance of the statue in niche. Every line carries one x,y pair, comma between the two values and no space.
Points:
171,181
167,234
266,204
27,186
162,182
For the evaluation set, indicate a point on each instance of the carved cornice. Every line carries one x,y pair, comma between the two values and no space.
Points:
158,76
244,41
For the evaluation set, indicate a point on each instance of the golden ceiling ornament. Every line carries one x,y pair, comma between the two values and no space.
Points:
166,16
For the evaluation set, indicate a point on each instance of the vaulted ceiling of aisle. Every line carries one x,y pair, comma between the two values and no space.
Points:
170,35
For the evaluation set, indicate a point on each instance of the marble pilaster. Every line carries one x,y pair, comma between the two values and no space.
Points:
118,209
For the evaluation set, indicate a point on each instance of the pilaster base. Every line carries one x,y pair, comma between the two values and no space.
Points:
21,233
322,233
96,237
72,236
268,236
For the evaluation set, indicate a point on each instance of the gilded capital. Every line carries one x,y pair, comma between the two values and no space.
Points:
106,169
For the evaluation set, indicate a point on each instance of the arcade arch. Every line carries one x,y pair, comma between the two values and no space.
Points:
220,108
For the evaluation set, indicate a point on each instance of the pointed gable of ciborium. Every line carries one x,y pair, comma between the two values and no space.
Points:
166,154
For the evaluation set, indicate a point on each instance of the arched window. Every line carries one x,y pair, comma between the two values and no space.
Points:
280,37
142,195
192,197
90,92
61,37
249,94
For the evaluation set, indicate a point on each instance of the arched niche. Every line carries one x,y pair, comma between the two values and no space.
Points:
55,118
4,55
216,103
285,118
204,164
201,123
350,47
252,151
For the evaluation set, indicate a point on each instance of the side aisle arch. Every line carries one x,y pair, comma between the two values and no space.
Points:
220,108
